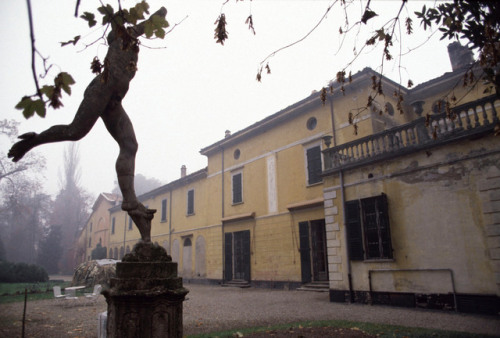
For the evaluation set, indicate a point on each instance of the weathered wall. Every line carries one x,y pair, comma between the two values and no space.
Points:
443,207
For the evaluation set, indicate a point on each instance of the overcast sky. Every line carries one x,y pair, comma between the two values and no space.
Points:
188,90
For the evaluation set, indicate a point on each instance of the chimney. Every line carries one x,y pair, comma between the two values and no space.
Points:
183,171
460,56
228,133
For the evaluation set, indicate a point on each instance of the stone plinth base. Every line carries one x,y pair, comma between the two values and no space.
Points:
145,299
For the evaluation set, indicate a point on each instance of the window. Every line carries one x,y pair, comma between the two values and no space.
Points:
311,123
389,109
190,202
313,157
368,230
164,210
90,226
439,107
237,188
90,242
113,225
130,223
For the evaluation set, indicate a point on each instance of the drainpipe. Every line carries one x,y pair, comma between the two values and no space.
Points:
170,224
222,216
342,201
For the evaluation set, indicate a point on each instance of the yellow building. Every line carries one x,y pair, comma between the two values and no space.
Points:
97,228
374,205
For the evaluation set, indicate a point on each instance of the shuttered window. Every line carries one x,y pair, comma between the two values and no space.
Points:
368,230
313,165
354,232
190,202
163,210
237,188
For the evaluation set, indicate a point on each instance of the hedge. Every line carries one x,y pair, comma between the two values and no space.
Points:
22,273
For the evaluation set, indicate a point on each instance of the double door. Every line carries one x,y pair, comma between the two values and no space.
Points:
313,251
237,256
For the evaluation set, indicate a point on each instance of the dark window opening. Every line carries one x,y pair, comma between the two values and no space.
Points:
368,230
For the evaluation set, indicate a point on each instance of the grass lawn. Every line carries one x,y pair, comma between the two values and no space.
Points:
380,330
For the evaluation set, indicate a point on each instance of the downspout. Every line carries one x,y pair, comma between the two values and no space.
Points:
170,224
222,217
342,201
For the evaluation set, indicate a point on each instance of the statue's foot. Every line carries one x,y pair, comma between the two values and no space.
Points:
130,205
142,217
19,149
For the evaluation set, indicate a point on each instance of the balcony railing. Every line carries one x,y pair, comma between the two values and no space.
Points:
465,121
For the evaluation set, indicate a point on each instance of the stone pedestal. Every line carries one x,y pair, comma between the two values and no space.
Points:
145,299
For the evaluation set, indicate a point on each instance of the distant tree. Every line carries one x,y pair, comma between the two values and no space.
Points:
33,161
24,213
3,255
71,206
143,185
50,250
23,204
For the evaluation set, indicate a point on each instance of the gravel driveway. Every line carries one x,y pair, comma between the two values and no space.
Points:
210,308
214,308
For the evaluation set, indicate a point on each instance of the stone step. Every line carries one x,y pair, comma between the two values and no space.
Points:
315,286
236,283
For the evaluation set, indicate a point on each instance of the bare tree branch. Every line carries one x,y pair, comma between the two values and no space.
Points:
296,42
33,50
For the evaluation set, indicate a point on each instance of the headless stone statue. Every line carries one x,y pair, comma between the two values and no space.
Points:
103,99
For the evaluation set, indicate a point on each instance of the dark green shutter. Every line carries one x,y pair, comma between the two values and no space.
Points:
354,233
237,191
385,229
314,165
228,256
164,210
190,208
305,252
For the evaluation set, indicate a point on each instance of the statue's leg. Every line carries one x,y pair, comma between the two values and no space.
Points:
87,114
120,127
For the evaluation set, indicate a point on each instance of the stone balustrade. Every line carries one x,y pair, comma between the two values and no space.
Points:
465,121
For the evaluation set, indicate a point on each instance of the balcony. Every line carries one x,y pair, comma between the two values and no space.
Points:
467,121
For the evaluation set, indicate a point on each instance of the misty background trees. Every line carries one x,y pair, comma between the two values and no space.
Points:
35,227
